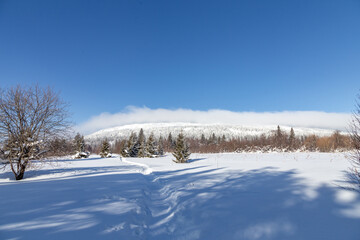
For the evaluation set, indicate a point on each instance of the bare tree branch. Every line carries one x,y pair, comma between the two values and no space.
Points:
29,119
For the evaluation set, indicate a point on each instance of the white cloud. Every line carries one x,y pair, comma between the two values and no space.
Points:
132,115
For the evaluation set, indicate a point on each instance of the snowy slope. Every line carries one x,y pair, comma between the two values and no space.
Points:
250,196
195,130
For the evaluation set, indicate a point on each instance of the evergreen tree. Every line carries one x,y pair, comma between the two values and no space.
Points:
151,146
134,147
170,141
292,139
105,149
212,139
181,152
278,137
161,146
125,152
79,143
141,143
203,139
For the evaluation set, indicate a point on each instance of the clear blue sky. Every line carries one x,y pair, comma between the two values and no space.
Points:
235,55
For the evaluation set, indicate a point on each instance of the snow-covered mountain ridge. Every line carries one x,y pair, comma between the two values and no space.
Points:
196,130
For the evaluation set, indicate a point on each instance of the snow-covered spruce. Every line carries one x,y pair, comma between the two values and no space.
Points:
181,152
105,149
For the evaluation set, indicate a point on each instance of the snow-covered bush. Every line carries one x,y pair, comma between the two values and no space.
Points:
105,149
80,155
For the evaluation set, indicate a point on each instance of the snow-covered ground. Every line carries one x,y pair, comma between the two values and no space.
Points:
215,196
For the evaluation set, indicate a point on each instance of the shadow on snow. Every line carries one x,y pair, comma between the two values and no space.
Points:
181,204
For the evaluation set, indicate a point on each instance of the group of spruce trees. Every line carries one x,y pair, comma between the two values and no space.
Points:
139,146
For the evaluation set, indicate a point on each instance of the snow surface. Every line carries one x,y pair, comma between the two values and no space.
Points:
196,129
215,196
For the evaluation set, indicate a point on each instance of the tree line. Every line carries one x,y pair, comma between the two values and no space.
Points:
137,145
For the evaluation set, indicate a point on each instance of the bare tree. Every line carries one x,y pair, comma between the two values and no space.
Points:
355,137
30,117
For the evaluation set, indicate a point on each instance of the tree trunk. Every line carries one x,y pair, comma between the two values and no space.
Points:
20,171
20,175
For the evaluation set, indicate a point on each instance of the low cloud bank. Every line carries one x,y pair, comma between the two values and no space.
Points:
132,115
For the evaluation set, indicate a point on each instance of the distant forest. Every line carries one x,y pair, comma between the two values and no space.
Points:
140,145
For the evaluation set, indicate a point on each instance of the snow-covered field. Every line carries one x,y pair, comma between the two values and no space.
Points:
215,196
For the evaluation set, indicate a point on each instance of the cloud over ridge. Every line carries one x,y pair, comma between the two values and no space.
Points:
132,115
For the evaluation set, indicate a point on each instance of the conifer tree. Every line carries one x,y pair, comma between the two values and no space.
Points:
79,143
213,139
141,144
125,152
150,146
170,142
203,139
292,139
105,149
134,145
181,152
278,137
161,146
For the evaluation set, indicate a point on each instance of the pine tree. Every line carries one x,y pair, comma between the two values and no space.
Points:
79,143
203,139
161,146
125,152
141,143
213,139
79,147
278,137
134,145
105,149
150,146
170,142
181,152
292,139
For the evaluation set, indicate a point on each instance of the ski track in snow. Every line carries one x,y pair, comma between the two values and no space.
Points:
146,170
216,196
159,202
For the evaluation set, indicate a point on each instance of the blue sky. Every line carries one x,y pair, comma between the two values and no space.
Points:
259,56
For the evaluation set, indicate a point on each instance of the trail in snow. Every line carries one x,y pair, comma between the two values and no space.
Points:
146,170
159,202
